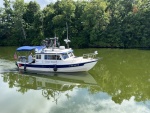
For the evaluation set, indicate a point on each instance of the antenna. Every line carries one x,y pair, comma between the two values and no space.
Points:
67,40
67,30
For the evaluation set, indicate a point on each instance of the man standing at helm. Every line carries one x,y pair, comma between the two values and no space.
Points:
30,59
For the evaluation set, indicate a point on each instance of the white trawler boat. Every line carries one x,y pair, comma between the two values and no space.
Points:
54,58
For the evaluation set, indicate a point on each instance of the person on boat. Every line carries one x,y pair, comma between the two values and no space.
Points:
30,58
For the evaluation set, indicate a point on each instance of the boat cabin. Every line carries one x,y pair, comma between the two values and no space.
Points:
47,52
53,55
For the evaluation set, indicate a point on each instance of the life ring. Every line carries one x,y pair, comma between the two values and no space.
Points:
55,68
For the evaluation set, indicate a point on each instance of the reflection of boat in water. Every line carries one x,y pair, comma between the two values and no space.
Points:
63,81
66,79
52,84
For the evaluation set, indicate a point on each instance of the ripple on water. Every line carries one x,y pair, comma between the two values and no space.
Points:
7,66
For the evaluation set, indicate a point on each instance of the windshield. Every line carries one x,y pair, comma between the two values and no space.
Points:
70,54
65,55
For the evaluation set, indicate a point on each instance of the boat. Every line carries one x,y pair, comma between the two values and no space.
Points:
51,57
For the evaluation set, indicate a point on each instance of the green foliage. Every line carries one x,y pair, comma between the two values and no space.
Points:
92,23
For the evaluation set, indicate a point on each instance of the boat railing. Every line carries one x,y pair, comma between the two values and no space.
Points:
90,55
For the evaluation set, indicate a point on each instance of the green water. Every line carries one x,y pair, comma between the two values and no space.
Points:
119,83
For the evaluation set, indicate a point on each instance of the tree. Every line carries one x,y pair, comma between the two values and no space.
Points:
94,20
5,23
48,27
19,23
65,11
92,23
32,17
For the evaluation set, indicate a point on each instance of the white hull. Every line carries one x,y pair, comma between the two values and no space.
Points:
54,59
85,67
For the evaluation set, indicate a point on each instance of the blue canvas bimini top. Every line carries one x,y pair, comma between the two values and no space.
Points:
29,48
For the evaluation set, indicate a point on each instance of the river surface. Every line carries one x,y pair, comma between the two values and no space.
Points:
119,83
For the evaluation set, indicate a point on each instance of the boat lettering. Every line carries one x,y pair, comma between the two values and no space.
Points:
47,62
53,61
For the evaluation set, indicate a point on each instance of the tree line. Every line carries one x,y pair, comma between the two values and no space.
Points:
91,23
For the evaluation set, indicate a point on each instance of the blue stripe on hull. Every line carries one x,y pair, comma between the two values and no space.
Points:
58,66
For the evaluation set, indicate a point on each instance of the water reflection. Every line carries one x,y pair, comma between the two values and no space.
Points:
118,83
124,74
51,85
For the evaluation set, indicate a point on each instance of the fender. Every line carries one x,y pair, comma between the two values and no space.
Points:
55,68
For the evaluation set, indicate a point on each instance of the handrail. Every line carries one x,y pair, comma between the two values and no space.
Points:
89,55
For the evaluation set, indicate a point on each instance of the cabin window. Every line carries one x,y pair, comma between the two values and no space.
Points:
65,55
70,54
38,56
47,57
52,57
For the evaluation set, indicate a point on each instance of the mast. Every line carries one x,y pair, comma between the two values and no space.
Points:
67,40
67,30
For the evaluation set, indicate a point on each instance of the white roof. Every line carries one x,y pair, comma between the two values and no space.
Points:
54,51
